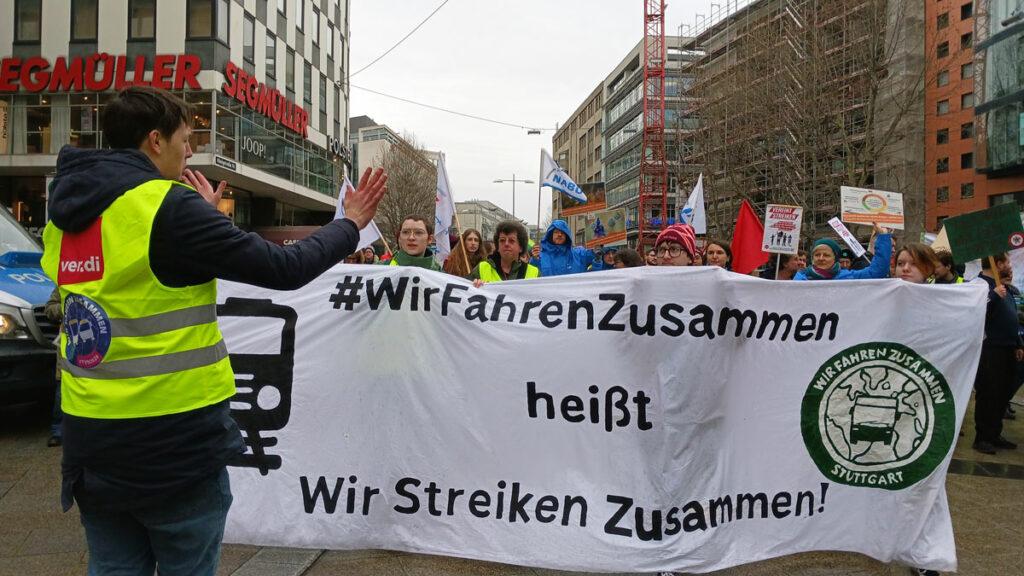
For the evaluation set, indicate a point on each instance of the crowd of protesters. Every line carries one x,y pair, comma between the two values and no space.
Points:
510,255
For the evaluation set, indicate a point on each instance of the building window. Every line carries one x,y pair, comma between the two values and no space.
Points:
967,71
248,39
282,6
967,101
307,83
942,107
967,131
223,21
84,20
967,160
300,15
942,194
323,94
942,21
141,19
942,166
967,10
289,70
966,40
330,40
967,190
943,78
314,23
942,50
28,17
942,136
271,55
199,23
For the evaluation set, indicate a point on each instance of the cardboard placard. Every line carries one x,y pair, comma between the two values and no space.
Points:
866,206
782,229
984,233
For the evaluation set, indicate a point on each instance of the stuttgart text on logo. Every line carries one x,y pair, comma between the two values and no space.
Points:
878,415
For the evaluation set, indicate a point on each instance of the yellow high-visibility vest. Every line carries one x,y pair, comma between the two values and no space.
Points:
489,274
132,347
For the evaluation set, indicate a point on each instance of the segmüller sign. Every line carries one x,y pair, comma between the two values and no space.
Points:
97,73
261,98
610,422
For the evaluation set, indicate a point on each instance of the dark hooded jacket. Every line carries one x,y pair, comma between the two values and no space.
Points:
559,259
116,463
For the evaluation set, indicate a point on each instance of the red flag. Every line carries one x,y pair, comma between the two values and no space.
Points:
746,241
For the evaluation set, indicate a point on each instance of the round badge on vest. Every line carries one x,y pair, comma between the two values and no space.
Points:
87,327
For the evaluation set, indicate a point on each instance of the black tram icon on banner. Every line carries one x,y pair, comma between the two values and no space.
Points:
263,399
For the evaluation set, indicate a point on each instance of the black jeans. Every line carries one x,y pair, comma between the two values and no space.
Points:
997,377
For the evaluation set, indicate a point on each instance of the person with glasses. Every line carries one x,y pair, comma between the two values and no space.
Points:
414,239
676,245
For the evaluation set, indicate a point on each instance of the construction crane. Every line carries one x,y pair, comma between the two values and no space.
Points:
653,189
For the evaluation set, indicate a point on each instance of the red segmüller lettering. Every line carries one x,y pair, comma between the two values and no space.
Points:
266,100
98,73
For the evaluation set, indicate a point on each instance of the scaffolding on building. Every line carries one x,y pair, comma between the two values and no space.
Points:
793,99
653,185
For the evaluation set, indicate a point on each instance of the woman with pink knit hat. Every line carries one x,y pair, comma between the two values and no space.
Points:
676,245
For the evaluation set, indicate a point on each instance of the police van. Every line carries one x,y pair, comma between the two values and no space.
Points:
27,353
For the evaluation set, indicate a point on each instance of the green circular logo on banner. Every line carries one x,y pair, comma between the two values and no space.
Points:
878,415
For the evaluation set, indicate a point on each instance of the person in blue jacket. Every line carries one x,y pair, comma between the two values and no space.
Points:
825,261
557,255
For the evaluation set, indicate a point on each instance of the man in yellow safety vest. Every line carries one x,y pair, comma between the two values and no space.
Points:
135,244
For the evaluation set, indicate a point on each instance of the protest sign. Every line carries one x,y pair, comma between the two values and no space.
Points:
608,422
847,236
605,224
867,206
984,233
782,229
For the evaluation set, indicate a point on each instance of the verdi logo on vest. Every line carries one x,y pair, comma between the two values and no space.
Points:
81,256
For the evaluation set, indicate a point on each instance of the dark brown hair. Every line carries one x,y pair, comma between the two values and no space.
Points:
629,258
138,110
510,226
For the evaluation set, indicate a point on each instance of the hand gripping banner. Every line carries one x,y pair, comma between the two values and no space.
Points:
637,420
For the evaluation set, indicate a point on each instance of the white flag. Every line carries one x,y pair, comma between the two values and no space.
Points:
367,235
444,211
555,177
693,212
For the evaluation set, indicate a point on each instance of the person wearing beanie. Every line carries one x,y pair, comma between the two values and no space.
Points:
676,245
825,261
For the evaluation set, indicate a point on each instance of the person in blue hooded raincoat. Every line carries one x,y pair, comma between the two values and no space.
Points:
557,255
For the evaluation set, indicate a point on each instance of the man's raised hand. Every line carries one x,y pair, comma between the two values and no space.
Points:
361,203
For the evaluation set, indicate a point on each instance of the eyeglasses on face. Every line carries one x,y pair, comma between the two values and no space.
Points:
671,251
412,233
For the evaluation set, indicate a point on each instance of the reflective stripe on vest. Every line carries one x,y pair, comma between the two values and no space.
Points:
489,274
132,347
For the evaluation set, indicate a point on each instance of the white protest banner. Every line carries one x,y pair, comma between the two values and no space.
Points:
612,422
866,206
847,237
782,229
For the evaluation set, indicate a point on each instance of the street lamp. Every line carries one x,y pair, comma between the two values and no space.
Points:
513,180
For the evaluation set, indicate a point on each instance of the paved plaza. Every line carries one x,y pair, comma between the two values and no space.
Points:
986,496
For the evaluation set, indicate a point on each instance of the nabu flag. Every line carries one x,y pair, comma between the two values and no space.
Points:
367,235
555,177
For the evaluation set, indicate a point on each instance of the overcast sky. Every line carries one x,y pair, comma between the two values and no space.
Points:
528,62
